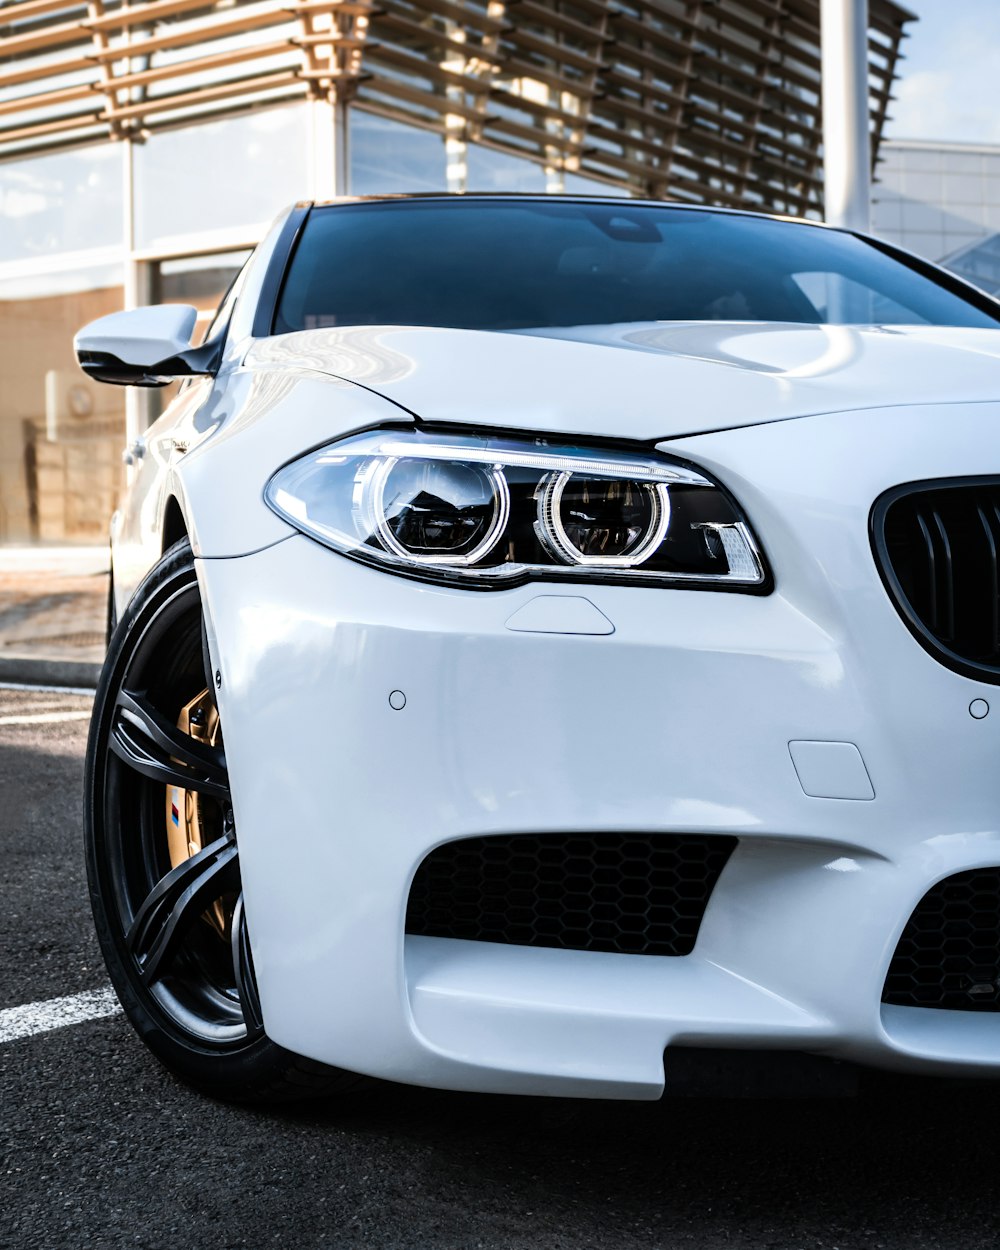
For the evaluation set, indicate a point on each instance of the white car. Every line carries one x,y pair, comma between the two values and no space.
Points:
556,636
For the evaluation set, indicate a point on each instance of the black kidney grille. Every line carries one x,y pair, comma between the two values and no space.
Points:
938,545
641,894
949,954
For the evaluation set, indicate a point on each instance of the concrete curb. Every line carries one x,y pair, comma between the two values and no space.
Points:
31,670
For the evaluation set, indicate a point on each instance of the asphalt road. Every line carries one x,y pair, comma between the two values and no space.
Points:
100,1147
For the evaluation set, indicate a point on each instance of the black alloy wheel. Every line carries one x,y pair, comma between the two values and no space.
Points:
163,856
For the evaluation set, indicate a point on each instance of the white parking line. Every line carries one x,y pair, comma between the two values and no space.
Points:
44,718
56,1013
23,685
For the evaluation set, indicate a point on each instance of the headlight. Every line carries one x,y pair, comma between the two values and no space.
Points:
484,511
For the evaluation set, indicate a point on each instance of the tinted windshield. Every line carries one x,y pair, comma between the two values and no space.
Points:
537,264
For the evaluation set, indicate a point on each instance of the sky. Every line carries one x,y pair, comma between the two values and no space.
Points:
949,85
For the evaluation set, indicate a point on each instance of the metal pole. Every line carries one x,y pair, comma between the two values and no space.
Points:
330,157
846,144
341,141
136,401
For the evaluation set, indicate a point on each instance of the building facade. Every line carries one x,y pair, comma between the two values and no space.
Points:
942,200
145,144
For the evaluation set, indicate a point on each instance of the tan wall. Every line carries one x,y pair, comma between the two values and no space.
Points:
70,484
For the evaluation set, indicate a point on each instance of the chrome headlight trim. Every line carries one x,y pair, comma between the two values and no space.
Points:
693,535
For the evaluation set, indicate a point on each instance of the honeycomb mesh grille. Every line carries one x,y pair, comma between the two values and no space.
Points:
639,894
949,954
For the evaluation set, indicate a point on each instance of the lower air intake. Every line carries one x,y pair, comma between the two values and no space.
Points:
636,894
949,953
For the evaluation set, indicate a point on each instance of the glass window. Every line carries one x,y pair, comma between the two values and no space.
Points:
537,263
223,314
928,160
931,246
577,184
389,156
199,280
953,240
981,264
223,175
887,214
991,209
490,170
925,217
923,186
839,299
889,173
69,202
961,162
963,189
61,434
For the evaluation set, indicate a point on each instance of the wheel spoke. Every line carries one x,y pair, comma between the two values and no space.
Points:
179,899
148,743
246,981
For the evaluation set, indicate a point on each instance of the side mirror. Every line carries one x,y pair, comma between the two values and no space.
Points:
144,347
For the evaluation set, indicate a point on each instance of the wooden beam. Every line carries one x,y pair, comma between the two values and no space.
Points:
202,95
205,34
28,9
81,121
46,99
199,64
46,73
144,14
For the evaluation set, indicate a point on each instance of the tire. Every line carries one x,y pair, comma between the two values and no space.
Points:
111,618
163,859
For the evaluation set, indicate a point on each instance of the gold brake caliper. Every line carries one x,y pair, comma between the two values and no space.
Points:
186,831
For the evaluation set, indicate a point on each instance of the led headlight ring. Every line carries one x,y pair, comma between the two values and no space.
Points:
552,531
376,483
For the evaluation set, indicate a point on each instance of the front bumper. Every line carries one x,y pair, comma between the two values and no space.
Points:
678,721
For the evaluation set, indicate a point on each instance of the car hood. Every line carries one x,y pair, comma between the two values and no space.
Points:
647,381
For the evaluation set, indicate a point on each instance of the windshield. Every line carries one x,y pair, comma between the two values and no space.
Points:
487,264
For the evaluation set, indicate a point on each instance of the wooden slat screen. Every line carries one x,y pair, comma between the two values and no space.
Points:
707,100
